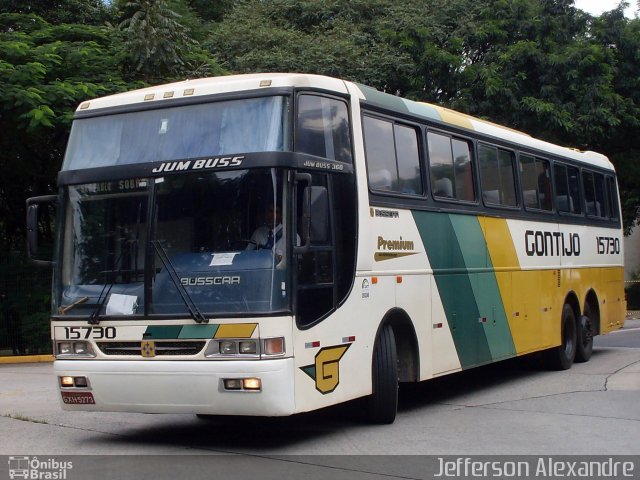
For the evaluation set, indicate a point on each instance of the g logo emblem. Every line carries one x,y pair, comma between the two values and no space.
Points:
326,370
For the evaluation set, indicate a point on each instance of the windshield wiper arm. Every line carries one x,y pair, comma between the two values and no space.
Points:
94,318
195,313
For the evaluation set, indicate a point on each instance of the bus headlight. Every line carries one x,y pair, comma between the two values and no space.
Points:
78,349
228,347
64,348
233,348
248,347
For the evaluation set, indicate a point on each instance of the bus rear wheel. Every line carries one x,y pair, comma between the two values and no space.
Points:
383,403
562,356
584,345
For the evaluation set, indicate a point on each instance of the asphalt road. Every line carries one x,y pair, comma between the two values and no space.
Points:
511,408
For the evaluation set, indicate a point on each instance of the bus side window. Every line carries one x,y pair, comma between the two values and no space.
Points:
450,167
322,128
497,176
614,212
567,184
536,182
594,194
393,158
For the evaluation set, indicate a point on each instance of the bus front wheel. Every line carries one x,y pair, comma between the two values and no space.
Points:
383,403
562,356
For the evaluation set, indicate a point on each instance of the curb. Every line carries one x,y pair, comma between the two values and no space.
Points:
26,359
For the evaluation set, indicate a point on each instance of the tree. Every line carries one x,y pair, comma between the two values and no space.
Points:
87,12
337,37
158,42
45,72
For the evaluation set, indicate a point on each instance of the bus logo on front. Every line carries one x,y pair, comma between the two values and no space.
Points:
148,348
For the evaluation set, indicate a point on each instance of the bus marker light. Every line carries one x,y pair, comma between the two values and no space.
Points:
168,95
149,96
437,325
265,83
374,280
312,344
352,338
398,279
274,346
188,91
251,384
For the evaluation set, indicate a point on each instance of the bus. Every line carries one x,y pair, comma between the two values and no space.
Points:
270,244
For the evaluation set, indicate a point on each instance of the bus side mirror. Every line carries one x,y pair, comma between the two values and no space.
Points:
40,228
315,216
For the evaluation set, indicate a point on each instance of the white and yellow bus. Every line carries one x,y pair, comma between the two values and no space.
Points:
277,243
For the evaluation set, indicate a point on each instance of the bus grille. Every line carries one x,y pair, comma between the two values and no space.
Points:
162,348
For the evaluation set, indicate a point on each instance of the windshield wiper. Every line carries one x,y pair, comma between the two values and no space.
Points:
195,313
62,310
94,318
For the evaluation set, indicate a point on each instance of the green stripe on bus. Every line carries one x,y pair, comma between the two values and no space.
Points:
198,331
468,287
383,99
485,286
440,239
162,332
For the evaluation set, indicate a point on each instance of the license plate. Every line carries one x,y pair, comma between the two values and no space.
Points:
78,398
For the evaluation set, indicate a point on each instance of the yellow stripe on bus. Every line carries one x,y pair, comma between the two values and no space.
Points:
236,330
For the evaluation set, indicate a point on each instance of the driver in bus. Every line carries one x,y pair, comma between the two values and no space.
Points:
269,237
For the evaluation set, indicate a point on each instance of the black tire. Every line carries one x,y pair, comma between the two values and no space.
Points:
584,343
562,356
383,403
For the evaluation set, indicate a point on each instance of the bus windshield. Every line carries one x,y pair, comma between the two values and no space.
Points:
136,247
179,133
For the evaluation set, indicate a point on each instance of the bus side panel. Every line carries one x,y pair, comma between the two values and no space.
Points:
527,294
468,288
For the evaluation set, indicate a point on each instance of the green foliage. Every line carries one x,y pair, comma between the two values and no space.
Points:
158,41
89,12
338,38
45,72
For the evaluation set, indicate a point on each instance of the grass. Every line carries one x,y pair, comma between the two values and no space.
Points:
23,418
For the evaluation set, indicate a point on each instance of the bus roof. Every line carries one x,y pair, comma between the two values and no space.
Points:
239,83
214,85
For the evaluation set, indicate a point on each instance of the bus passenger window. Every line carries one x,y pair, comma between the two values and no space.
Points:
614,213
381,156
536,182
567,189
393,158
497,175
450,167
593,185
408,157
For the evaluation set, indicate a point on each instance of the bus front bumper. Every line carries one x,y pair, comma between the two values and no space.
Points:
178,386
